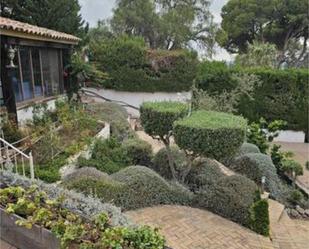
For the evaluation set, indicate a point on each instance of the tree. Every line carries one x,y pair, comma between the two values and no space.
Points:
166,24
258,55
60,15
280,22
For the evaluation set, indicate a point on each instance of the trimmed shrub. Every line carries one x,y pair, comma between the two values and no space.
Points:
138,151
85,172
256,165
231,197
157,118
259,217
248,148
203,173
132,67
144,188
212,134
160,162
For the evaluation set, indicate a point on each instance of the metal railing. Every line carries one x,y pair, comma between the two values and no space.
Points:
11,157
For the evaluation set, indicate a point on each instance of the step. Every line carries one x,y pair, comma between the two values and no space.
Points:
276,210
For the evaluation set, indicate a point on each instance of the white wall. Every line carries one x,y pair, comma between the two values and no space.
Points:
137,98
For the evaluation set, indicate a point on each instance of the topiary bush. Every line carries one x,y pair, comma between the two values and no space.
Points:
256,165
231,197
160,162
157,118
259,217
85,172
203,174
138,151
144,188
212,134
248,148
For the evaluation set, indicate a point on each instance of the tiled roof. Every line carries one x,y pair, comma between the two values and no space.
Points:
7,24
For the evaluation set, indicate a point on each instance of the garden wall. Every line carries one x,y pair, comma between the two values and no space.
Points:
137,98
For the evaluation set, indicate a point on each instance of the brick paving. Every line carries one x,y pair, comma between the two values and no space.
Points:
191,228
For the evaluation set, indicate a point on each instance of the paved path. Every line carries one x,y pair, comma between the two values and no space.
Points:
191,228
4,245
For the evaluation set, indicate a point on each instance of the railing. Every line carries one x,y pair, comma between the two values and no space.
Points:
11,156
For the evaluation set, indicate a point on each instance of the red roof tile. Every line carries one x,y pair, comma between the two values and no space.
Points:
10,24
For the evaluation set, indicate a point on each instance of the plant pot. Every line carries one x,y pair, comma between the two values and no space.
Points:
24,238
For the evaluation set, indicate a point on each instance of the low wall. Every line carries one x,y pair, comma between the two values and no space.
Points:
137,98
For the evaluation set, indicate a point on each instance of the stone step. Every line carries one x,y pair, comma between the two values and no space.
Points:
276,210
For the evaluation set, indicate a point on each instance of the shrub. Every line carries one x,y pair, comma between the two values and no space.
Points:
143,188
289,166
248,148
204,173
138,151
157,118
114,114
231,197
283,94
214,77
256,165
10,131
295,197
85,172
211,134
161,164
259,217
131,67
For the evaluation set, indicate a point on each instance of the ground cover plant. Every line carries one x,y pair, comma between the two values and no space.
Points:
70,228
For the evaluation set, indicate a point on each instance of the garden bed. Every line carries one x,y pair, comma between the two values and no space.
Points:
23,238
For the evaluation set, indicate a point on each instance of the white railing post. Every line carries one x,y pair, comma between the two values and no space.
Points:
31,166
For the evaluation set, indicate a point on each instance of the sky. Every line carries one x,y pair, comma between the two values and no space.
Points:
93,10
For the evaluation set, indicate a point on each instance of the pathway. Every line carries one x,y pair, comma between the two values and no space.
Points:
191,228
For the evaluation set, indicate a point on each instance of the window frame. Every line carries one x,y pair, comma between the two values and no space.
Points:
35,98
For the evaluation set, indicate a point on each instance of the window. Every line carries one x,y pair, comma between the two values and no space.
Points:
51,74
27,87
38,74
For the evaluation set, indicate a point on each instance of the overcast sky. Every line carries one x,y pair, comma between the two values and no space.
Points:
93,10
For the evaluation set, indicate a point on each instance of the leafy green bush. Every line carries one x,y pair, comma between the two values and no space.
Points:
259,217
203,173
295,197
231,197
10,130
248,148
85,172
144,187
211,134
161,164
157,118
282,95
138,151
214,77
255,166
290,166
131,67
114,114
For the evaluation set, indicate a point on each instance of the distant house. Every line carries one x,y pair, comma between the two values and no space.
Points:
32,66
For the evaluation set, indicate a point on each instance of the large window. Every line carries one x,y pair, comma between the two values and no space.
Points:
38,73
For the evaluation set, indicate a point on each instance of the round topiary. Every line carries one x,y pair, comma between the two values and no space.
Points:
143,188
138,151
257,165
203,174
85,172
161,164
248,148
157,118
231,197
212,134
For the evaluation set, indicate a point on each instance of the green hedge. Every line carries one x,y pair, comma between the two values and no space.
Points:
259,217
131,67
157,118
211,134
283,94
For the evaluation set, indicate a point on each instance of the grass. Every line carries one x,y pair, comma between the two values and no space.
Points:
213,120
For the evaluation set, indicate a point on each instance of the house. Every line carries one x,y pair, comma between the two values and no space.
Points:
33,60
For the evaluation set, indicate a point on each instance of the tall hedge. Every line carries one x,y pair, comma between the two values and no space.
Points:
212,134
283,94
132,67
